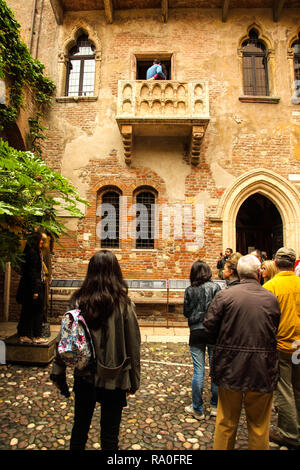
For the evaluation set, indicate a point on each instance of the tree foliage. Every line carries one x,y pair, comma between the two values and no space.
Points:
20,67
31,195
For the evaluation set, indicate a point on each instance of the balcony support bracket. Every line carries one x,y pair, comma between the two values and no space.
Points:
127,137
196,141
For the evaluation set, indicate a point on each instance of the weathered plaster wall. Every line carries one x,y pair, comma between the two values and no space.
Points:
240,136
85,144
23,13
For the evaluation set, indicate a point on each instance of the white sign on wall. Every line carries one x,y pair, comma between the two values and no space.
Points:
2,352
294,177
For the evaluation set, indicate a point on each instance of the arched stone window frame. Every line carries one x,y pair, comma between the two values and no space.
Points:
136,193
63,58
271,185
271,69
290,57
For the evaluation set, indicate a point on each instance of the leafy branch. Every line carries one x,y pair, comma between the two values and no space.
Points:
17,64
31,195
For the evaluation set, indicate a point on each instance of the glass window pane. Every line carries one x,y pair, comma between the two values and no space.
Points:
83,47
145,220
253,45
81,71
88,78
260,73
297,75
248,76
110,224
74,76
296,47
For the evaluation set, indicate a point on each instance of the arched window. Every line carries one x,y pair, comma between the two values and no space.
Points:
81,69
296,47
145,220
110,220
255,70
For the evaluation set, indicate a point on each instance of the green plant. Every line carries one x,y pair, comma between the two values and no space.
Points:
20,68
31,195
36,134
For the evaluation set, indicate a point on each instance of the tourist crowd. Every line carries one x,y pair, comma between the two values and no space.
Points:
249,325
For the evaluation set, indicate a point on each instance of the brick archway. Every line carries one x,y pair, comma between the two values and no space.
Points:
271,185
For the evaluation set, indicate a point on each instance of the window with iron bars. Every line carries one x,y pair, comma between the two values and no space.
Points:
110,222
145,220
255,69
296,47
81,69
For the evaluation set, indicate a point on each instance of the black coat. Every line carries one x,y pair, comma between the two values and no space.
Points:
196,302
242,322
31,278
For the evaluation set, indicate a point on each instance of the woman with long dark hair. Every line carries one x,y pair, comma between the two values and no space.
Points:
31,292
197,298
110,315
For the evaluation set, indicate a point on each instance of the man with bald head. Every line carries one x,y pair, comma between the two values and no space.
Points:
242,322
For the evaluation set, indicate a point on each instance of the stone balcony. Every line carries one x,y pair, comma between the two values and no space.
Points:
163,108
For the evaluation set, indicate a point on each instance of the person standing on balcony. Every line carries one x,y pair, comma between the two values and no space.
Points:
155,72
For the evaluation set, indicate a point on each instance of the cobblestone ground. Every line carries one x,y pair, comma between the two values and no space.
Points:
35,416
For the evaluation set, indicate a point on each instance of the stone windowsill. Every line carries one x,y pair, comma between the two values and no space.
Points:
259,99
75,99
138,250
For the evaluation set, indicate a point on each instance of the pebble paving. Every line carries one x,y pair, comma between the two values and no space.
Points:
35,416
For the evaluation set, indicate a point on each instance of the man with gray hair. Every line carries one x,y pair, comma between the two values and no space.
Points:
286,286
242,322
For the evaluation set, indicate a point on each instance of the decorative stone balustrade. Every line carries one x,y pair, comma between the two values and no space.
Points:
170,108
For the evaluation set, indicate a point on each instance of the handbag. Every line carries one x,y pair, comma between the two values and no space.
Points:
75,347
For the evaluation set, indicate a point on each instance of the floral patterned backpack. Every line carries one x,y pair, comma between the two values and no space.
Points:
75,346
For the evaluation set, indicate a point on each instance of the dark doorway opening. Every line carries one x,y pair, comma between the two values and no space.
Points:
13,136
143,65
258,225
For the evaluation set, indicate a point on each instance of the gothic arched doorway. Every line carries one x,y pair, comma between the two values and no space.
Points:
258,225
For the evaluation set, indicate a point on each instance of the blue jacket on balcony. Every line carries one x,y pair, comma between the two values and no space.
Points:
155,71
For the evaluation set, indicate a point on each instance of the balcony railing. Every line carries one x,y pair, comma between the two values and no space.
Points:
162,107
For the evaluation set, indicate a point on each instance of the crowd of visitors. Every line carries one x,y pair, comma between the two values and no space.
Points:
246,367
250,332
249,327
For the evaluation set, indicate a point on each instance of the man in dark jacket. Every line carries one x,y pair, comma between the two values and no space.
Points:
230,274
242,321
222,260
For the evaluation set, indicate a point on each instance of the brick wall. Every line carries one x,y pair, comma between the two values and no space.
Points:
84,142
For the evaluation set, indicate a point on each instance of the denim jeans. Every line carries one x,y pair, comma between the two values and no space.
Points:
112,402
198,357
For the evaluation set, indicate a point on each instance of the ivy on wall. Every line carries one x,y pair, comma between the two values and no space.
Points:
31,194
20,68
